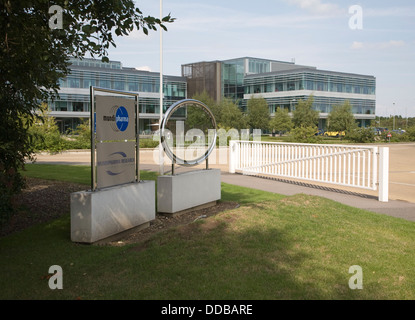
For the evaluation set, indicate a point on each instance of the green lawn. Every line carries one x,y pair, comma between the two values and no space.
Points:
271,247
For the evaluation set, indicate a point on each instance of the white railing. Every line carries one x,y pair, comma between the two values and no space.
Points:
343,165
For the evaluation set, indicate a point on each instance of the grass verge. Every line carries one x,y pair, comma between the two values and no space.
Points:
271,247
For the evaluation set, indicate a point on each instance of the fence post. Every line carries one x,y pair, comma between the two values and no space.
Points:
383,174
232,156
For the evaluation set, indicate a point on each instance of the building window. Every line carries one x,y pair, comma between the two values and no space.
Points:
73,82
63,83
88,81
146,87
119,85
279,87
105,84
132,86
61,106
309,85
77,106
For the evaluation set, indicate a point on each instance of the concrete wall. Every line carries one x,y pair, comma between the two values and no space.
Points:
187,190
101,214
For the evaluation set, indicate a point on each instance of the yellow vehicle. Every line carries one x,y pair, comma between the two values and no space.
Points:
334,134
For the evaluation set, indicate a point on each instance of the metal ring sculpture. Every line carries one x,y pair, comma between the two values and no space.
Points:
166,119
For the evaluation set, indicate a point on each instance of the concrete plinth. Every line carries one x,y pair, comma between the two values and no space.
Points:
100,214
188,190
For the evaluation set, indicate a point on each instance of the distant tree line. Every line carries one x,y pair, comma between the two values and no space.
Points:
302,124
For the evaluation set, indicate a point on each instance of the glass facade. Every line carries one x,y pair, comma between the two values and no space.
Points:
283,84
285,89
74,89
233,74
256,66
311,81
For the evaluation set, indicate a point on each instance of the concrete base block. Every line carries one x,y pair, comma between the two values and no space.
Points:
104,213
188,190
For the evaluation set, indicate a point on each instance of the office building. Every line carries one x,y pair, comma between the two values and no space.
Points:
283,84
73,103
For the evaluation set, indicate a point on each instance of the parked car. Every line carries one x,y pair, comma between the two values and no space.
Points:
334,134
320,132
381,130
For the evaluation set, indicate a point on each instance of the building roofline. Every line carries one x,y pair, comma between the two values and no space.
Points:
240,58
263,59
126,70
311,69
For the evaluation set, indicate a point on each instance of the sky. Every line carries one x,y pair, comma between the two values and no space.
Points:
321,33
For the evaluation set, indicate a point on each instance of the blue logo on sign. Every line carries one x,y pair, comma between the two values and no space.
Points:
121,118
122,154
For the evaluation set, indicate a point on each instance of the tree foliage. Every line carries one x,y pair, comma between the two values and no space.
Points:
258,113
305,134
33,57
304,115
44,132
361,135
231,116
341,118
281,121
205,98
196,118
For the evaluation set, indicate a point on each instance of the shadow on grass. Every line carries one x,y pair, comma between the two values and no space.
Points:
241,255
267,250
315,186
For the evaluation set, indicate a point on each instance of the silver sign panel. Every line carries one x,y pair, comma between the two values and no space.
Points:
115,118
115,163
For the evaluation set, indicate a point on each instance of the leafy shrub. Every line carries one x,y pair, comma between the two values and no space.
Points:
81,137
361,135
44,134
410,133
148,143
305,135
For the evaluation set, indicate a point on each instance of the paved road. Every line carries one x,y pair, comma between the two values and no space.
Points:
401,180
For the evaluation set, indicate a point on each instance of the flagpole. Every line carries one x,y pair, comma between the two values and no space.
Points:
161,151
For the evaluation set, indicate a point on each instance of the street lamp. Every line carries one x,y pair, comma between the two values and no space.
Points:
393,110
161,151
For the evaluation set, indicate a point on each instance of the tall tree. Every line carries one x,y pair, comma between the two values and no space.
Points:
304,115
341,118
281,121
258,113
34,55
231,116
210,102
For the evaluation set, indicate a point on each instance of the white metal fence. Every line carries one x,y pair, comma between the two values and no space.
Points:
344,165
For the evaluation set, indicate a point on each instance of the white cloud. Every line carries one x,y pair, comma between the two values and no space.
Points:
378,45
357,45
318,7
143,68
401,11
